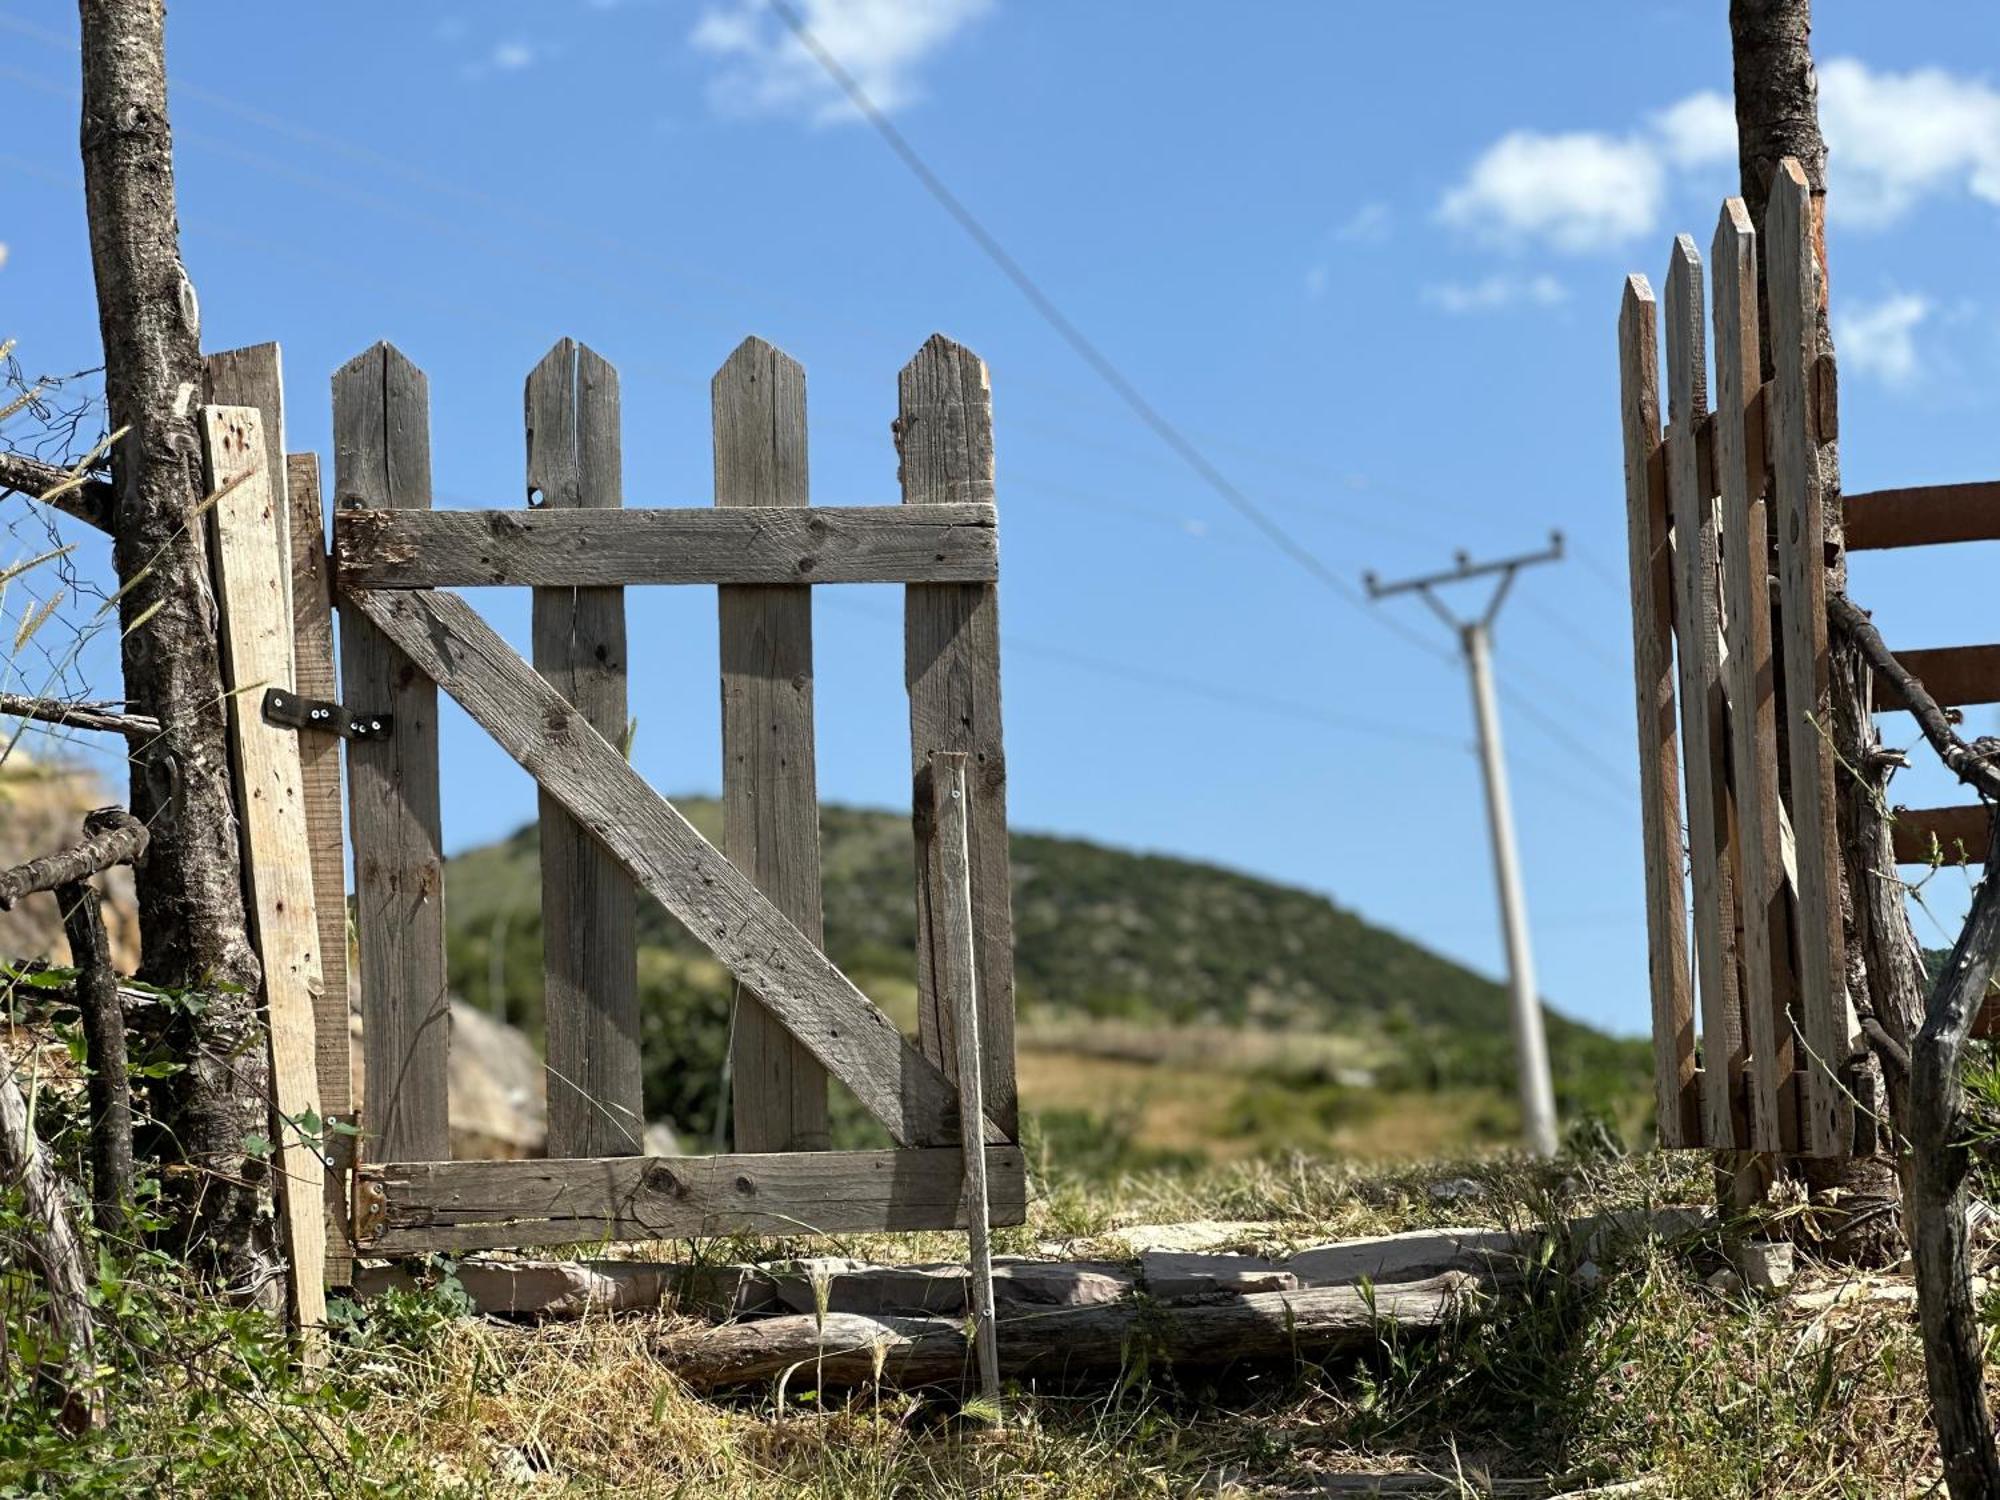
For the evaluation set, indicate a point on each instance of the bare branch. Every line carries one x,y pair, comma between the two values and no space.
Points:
111,836
102,717
1964,762
89,501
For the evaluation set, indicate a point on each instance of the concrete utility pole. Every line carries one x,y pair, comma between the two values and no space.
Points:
1475,637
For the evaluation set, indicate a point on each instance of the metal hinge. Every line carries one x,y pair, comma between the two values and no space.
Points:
289,710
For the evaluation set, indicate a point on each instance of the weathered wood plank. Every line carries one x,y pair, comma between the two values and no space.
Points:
944,441
1922,516
1650,550
254,376
1769,981
745,544
320,778
1704,731
468,1205
251,573
958,972
671,861
1957,676
1801,526
770,799
382,458
1950,835
590,953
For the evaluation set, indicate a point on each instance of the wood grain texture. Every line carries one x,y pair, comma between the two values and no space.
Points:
254,376
1946,835
1704,721
672,862
252,569
1922,516
1801,527
469,1205
1769,980
745,544
313,676
770,798
1956,676
958,971
590,952
382,458
944,441
1650,552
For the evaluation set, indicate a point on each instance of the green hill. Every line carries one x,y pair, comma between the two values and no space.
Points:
1101,933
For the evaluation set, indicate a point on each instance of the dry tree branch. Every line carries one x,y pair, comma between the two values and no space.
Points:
86,498
106,718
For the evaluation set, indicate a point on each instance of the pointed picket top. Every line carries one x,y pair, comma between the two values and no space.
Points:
1788,244
381,430
758,422
944,424
1687,335
548,400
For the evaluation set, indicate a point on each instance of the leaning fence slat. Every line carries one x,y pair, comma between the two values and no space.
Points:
1922,516
672,862
381,432
607,548
1944,835
1659,759
770,802
1956,676
944,440
254,376
251,573
1797,514
319,777
1698,634
1769,981
590,955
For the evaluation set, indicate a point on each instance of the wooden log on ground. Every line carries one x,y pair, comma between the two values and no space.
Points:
846,1349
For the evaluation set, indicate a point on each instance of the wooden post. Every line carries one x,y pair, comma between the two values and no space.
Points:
1801,526
1770,982
319,774
958,972
252,573
590,956
770,799
1651,554
944,439
254,376
382,458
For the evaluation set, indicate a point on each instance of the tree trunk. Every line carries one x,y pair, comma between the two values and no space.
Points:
1777,115
191,917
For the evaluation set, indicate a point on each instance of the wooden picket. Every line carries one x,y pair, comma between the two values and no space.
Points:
756,901
1705,503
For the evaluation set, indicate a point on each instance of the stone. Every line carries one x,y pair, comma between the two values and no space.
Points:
1175,1275
1457,1190
1196,1236
1724,1283
1765,1265
572,1289
1411,1256
1025,1284
1598,1235
850,1286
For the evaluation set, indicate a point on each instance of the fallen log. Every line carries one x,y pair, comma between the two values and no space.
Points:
846,1349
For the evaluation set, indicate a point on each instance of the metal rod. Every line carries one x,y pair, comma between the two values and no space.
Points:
1538,1105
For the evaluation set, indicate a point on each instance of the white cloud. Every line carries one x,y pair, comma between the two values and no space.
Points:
1495,292
882,44
1577,192
1879,338
1698,131
511,57
1367,225
1893,138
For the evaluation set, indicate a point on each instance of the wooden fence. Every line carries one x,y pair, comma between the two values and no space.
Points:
607,837
1728,684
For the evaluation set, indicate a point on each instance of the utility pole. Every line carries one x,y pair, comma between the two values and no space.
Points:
1475,638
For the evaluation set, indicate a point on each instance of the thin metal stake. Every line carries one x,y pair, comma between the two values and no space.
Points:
952,857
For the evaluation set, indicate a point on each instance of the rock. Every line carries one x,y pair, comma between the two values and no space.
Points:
572,1289
1176,1275
1457,1190
1025,1284
1596,1236
1765,1265
1196,1236
1588,1275
1407,1257
1724,1283
941,1288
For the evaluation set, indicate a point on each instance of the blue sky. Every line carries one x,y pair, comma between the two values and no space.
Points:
1367,257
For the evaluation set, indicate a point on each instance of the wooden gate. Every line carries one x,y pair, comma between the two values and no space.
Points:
607,836
1749,673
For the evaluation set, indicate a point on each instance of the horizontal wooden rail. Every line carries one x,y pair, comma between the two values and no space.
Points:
473,1205
1956,676
1924,516
1960,833
422,549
